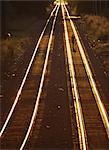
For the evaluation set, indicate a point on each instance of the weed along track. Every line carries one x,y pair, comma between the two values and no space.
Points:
57,105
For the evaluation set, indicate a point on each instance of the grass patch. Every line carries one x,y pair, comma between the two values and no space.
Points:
98,27
23,30
13,48
98,31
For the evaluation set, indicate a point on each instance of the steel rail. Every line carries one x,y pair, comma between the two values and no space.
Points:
25,76
78,108
41,83
101,107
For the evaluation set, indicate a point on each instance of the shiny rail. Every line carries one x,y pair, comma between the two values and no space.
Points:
78,108
41,83
25,76
98,99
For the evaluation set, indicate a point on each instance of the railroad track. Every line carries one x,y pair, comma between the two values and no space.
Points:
91,113
56,106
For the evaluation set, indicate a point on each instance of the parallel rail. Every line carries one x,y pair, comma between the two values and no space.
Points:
25,76
41,83
89,96
19,102
40,115
80,121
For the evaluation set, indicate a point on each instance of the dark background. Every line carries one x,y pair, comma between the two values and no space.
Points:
17,8
98,7
38,8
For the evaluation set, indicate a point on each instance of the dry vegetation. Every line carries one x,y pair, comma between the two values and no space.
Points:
98,30
23,33
98,27
13,48
21,26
